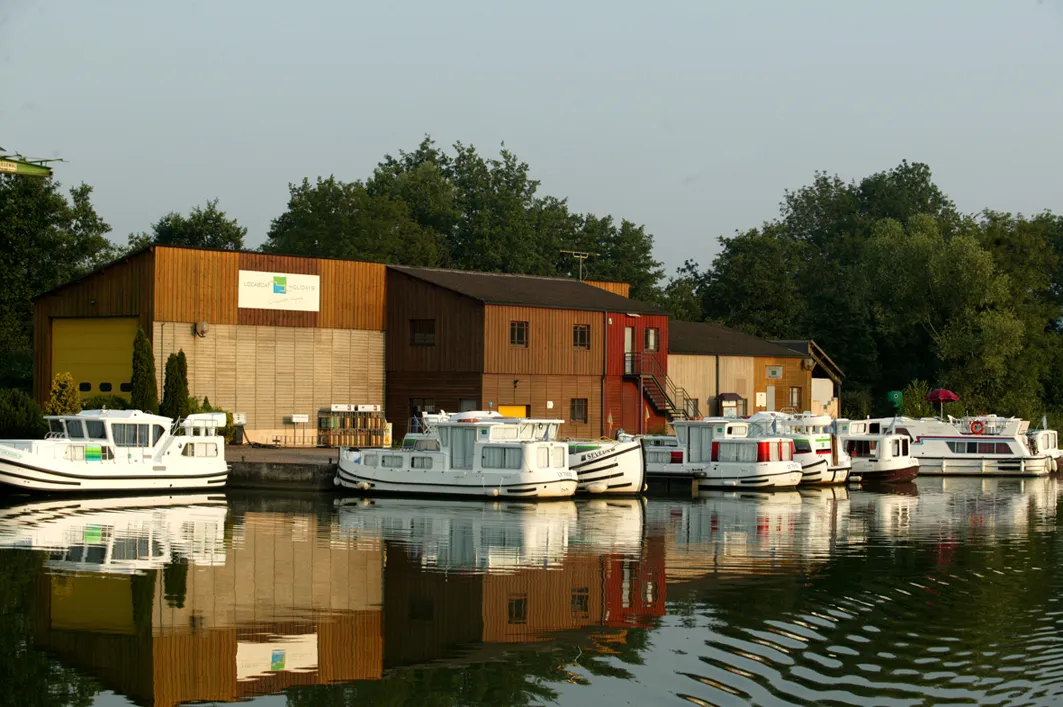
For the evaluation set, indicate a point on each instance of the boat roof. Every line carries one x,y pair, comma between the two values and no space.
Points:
118,415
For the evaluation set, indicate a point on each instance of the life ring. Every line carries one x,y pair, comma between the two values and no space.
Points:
977,427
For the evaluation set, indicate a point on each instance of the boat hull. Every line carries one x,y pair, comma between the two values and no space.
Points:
897,475
608,467
786,479
39,476
356,477
1019,467
821,473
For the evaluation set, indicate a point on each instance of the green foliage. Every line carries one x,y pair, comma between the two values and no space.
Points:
183,408
64,398
105,402
20,416
915,403
227,432
174,390
47,238
204,227
145,392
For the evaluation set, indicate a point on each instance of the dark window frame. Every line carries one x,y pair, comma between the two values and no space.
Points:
518,334
576,406
423,332
800,397
581,337
651,346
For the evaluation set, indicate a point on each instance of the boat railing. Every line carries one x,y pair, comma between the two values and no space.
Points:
55,435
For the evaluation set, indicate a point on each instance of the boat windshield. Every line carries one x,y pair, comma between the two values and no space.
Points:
56,427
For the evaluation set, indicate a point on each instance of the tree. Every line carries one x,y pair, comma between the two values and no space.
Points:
335,219
914,402
64,398
144,393
174,389
20,416
204,227
47,239
183,406
105,401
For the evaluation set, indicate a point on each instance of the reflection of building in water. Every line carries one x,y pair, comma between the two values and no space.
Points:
286,608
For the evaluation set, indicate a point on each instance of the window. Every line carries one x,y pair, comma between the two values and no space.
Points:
421,462
462,446
578,412
95,429
896,448
188,451
369,460
860,448
391,461
518,608
581,601
735,452
105,387
560,458
542,458
74,429
795,398
518,334
467,404
581,337
85,387
1003,448
653,339
419,405
501,457
422,332
157,431
74,453
802,446
987,448
126,387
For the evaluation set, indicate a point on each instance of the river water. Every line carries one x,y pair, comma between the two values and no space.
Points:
943,592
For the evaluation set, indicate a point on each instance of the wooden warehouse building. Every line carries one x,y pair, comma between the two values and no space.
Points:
266,336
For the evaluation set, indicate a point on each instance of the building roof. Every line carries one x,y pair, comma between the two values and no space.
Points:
529,290
712,339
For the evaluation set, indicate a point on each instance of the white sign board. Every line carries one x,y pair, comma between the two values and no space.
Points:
300,418
275,290
239,418
762,400
339,407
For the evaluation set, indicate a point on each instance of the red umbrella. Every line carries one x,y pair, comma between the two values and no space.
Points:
942,396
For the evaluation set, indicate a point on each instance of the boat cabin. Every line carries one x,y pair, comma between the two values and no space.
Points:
725,440
94,435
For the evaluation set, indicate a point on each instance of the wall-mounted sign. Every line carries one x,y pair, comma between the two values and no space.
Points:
774,373
761,400
300,418
239,418
274,290
354,408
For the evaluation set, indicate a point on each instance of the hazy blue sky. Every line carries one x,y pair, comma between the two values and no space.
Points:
690,117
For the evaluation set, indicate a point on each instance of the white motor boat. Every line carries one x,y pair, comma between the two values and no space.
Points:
467,454
985,445
608,466
882,458
719,453
1045,441
822,458
664,457
118,450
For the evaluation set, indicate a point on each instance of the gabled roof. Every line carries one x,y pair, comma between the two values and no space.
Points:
529,290
712,339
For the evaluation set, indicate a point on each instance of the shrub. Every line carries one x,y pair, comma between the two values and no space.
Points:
915,404
227,432
20,416
103,401
64,398
183,409
145,391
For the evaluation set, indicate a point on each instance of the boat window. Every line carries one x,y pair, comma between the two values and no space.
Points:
444,436
75,430
501,457
775,453
95,429
802,446
700,444
736,452
369,460
74,453
106,454
875,428
987,448
505,432
681,433
391,461
56,426
462,446
560,457
904,447
421,462
656,457
787,450
860,448
542,458
1003,448
157,431
206,449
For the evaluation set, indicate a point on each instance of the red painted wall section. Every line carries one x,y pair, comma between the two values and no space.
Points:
618,322
623,407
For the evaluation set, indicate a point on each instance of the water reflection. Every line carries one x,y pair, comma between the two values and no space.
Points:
945,591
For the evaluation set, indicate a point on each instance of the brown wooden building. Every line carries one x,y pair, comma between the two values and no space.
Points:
730,372
267,336
522,345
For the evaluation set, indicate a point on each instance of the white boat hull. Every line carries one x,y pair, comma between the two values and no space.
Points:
611,467
985,466
34,474
540,484
821,472
776,475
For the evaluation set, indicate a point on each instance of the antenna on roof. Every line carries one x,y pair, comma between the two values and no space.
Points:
579,255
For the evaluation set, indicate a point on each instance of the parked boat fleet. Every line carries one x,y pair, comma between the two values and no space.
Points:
486,454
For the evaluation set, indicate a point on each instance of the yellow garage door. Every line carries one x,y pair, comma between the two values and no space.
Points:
97,352
513,410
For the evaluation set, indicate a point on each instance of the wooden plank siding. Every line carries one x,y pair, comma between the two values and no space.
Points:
793,376
618,322
550,349
125,288
196,285
459,328
617,288
446,390
697,375
536,391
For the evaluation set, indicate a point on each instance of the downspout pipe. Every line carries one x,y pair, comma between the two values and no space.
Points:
716,394
605,366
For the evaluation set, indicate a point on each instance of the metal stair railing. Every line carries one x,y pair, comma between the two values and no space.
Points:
677,402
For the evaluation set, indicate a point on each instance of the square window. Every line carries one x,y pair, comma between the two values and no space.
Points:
422,332
578,411
581,337
581,601
518,334
653,339
795,398
518,608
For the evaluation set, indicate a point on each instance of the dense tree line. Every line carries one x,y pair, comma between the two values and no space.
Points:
884,273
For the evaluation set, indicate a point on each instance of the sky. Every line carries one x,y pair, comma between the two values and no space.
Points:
690,117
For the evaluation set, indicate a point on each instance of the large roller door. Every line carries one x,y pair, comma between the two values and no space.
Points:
97,352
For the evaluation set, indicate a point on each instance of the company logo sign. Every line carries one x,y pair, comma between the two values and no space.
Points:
283,291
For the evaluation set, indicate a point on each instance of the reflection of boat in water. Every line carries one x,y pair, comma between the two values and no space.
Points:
119,535
465,535
610,525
